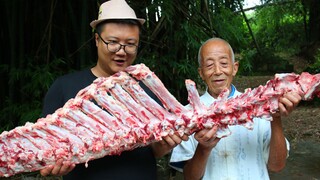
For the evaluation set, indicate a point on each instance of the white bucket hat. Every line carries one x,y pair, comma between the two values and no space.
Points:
115,9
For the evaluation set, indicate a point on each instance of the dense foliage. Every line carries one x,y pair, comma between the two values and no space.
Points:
45,39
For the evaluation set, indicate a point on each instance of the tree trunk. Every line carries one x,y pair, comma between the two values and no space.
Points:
314,21
249,27
313,28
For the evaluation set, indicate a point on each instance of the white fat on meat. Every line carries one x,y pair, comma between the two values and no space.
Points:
115,114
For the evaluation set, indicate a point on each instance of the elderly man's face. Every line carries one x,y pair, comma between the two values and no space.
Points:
112,62
217,68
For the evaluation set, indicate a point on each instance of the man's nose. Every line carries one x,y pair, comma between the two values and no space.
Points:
217,70
121,50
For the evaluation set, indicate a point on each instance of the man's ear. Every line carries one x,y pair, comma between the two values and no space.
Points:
235,68
200,73
96,38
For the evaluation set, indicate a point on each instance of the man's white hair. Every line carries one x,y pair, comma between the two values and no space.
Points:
214,39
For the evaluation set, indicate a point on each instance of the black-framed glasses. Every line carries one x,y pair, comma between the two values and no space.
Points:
115,47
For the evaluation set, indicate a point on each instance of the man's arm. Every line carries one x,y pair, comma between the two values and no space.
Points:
278,149
195,167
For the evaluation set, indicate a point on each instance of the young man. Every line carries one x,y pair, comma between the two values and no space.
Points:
117,33
245,154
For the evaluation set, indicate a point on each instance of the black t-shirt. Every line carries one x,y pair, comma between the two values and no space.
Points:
138,164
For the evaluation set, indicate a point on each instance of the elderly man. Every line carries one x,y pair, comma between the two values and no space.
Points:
244,154
117,35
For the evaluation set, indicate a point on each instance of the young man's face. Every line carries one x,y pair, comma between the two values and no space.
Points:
112,62
217,68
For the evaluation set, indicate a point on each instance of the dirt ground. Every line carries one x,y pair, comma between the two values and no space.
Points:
302,129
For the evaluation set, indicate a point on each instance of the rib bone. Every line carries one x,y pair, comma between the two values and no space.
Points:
114,114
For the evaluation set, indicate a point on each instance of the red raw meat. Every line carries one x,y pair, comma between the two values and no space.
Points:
114,114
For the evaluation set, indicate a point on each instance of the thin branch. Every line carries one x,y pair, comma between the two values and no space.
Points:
48,28
53,5
84,44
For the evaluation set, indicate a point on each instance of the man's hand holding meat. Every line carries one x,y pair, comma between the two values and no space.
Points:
167,143
207,138
287,103
61,168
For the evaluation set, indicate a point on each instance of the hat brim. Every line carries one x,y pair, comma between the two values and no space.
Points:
94,23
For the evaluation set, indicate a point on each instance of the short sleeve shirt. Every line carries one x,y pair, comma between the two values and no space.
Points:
241,155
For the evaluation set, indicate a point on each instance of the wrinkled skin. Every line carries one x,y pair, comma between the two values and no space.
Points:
217,67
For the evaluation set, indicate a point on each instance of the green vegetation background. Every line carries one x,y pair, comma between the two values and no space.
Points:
42,40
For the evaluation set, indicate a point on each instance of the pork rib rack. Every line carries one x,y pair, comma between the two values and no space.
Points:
114,114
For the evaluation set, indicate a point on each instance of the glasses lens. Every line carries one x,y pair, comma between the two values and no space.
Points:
113,47
131,49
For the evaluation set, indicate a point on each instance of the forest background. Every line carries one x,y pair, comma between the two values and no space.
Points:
41,40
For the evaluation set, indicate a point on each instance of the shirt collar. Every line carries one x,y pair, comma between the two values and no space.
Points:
233,90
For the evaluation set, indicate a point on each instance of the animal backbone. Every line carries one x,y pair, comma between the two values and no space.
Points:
115,114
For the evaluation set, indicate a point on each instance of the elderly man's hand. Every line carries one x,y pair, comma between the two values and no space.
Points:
61,168
167,143
173,140
207,137
287,103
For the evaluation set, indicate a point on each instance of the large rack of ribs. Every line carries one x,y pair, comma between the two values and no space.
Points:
114,114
